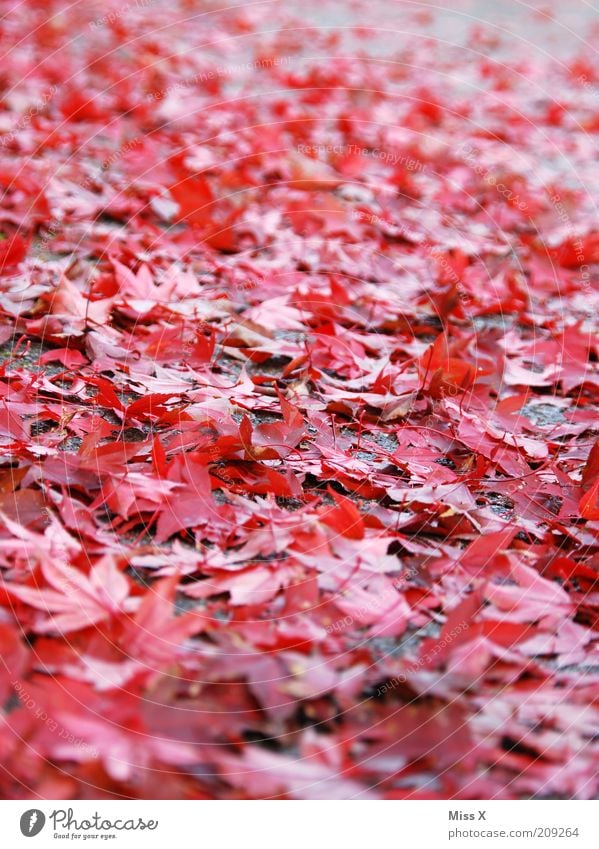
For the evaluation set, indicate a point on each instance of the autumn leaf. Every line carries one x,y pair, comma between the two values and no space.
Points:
74,600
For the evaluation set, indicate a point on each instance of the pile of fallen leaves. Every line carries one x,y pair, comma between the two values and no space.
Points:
299,474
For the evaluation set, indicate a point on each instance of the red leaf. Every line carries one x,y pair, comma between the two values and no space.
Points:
589,503
155,633
75,600
345,518
590,470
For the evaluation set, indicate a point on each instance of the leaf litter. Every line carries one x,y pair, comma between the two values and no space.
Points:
299,483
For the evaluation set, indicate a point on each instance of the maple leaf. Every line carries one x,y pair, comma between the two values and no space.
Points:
155,634
442,373
77,310
589,502
75,600
122,751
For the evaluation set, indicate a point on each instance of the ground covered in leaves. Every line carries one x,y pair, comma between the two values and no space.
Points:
298,425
